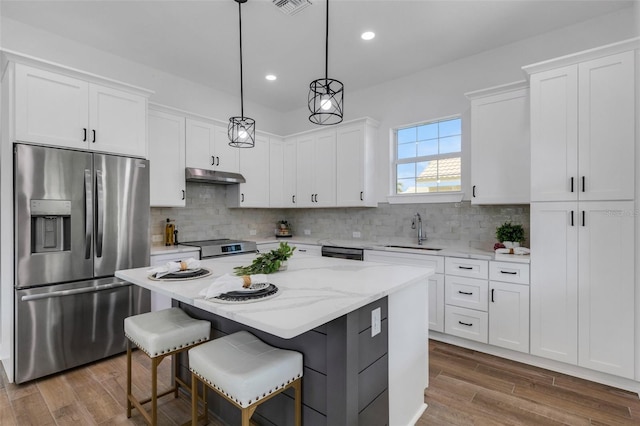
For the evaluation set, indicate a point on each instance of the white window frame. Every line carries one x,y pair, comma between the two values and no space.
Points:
420,198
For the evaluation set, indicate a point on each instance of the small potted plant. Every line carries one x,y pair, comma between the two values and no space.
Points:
510,235
269,262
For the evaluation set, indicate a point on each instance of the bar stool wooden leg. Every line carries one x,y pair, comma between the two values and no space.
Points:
154,390
194,400
128,379
297,387
174,374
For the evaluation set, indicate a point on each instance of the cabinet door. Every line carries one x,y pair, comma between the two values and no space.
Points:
509,316
500,152
50,109
117,121
350,166
436,302
305,166
554,135
277,193
606,292
325,169
166,159
606,128
199,144
554,281
290,173
254,166
227,157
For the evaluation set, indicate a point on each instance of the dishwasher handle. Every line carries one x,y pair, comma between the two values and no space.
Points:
62,293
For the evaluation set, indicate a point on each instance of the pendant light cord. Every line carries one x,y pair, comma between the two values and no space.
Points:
241,86
326,48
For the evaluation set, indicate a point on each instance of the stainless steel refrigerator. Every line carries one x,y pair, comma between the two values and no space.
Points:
79,217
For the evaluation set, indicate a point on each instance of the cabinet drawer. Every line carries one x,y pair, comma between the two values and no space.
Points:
466,323
509,272
471,268
466,292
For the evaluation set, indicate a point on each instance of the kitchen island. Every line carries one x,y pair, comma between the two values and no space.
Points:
357,369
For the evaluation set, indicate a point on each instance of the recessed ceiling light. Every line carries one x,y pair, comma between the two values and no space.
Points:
368,35
270,77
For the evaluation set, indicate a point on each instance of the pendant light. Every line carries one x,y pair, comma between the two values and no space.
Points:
326,94
242,130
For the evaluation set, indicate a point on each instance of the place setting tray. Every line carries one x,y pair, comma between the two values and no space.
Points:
255,293
189,274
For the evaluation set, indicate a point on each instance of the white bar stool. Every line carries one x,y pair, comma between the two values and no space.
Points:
246,372
160,334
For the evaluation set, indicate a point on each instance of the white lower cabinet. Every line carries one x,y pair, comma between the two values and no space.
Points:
509,316
582,284
436,281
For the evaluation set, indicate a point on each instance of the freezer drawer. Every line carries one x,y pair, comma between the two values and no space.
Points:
66,325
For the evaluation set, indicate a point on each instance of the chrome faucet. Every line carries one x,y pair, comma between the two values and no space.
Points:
421,238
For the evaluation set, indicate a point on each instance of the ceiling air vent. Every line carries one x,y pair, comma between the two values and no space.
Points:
291,7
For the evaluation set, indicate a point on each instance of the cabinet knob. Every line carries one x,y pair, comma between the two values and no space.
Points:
213,160
242,198
94,135
492,291
473,191
361,195
183,194
466,293
465,323
571,184
293,199
84,134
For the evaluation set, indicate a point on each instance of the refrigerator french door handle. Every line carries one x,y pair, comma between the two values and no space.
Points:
88,213
71,292
100,207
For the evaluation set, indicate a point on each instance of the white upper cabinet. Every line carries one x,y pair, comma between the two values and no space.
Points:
282,172
583,130
56,109
355,163
500,152
166,159
208,147
254,166
316,169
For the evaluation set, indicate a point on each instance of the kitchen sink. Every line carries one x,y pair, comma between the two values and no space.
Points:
415,248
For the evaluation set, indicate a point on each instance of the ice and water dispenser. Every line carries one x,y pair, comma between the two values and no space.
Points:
50,226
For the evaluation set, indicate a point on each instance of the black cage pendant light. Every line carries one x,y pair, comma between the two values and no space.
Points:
242,130
326,94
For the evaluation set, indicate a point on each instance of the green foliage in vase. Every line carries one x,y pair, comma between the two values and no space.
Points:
510,232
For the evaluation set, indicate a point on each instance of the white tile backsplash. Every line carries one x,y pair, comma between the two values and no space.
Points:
459,225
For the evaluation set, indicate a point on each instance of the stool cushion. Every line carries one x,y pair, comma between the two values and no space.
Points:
243,367
168,330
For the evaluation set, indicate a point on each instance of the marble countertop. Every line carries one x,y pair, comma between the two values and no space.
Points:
313,290
408,248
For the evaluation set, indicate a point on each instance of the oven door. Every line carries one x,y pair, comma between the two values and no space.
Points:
62,326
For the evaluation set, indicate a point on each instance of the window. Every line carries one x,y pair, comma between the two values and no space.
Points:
428,157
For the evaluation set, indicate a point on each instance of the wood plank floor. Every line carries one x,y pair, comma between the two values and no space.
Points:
466,388
472,388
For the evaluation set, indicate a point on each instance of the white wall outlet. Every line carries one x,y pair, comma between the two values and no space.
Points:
307,232
156,238
356,234
375,322
252,232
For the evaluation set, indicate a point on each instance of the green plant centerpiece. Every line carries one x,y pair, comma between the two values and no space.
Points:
510,232
267,263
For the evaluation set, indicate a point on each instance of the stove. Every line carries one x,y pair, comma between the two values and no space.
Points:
222,247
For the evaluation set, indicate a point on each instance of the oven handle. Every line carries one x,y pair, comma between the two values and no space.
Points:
72,292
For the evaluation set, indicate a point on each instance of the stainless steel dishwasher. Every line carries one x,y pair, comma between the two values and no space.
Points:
343,252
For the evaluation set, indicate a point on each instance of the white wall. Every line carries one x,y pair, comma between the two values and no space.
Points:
169,89
439,92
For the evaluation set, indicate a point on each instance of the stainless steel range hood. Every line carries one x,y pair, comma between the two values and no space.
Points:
213,176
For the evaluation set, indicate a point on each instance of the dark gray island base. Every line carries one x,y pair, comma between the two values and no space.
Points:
345,371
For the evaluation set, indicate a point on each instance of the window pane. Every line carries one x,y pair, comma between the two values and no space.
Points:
450,127
406,150
407,135
406,170
429,147
428,131
450,144
405,186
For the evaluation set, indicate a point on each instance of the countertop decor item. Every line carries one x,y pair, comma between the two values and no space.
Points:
242,130
326,94
510,235
283,229
268,262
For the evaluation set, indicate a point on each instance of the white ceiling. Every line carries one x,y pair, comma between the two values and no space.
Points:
198,40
